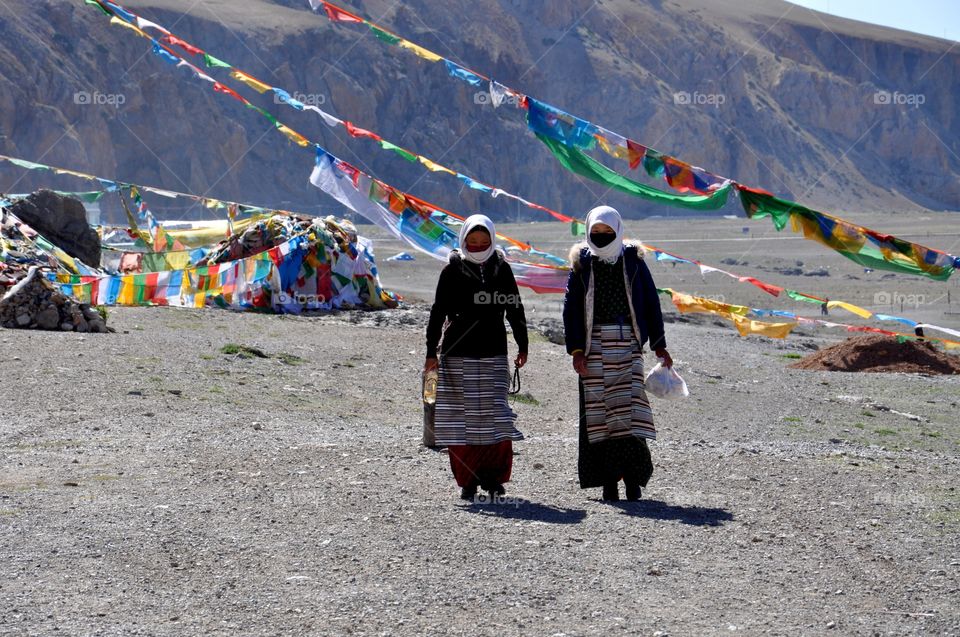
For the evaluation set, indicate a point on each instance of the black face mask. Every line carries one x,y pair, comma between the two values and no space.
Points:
602,239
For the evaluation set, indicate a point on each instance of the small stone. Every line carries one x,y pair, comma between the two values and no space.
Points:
831,624
48,319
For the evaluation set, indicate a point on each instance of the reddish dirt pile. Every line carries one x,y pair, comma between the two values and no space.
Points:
876,353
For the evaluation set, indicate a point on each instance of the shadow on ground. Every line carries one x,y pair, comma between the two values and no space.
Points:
659,510
520,509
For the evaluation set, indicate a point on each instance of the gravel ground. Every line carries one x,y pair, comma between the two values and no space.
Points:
154,485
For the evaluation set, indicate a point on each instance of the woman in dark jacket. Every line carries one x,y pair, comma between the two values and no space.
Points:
472,418
610,310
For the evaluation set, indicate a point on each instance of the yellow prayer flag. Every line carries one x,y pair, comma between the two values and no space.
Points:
687,304
125,297
419,51
853,309
293,136
118,21
73,173
252,82
433,166
773,330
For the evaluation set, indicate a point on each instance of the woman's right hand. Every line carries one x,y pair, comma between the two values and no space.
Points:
580,363
430,364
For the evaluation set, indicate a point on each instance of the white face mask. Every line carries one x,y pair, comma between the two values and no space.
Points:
609,216
477,221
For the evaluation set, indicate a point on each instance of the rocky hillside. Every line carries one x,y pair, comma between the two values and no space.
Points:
835,113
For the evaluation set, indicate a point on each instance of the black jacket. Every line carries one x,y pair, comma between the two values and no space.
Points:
577,318
474,300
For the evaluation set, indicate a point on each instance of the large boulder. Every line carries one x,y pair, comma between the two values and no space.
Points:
62,220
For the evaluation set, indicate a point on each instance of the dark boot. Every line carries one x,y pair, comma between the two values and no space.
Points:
611,492
468,492
495,490
633,491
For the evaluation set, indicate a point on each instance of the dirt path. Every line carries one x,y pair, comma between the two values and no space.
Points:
154,485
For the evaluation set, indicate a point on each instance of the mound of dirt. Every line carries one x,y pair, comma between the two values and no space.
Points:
877,353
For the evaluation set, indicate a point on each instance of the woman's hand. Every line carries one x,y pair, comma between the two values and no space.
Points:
521,360
665,355
580,363
430,365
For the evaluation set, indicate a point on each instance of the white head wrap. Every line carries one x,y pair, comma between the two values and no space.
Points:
477,221
609,216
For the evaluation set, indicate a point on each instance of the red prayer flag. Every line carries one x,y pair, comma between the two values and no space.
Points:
186,46
636,153
336,14
769,288
356,131
220,88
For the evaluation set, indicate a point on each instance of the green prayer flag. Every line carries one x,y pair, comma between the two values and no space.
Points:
797,296
865,247
383,36
578,229
98,5
213,62
576,161
403,153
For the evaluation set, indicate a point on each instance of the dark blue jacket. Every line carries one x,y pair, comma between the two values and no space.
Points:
641,290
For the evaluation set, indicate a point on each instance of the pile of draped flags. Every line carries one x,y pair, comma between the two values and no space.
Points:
281,263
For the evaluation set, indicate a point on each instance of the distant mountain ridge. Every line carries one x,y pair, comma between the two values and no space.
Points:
836,114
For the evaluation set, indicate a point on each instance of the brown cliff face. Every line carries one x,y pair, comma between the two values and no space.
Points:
810,107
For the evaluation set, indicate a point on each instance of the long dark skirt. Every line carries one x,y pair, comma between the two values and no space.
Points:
609,461
481,465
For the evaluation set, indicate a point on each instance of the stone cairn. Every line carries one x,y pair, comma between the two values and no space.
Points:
34,303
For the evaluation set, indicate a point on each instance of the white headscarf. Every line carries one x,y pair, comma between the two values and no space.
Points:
475,221
605,214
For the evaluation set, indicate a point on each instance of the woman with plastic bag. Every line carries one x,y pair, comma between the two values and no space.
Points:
610,311
472,416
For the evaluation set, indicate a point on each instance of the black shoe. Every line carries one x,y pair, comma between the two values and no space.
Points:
633,492
468,493
611,493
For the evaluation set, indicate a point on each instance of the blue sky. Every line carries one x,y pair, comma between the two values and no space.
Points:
940,18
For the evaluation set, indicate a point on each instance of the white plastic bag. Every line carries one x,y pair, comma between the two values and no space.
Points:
665,382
